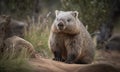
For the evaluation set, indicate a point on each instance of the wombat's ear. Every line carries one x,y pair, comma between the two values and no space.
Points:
57,12
75,13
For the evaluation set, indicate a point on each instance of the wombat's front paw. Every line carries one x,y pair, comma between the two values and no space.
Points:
59,59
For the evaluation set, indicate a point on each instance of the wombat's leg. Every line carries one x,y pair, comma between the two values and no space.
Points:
56,50
72,51
57,56
70,58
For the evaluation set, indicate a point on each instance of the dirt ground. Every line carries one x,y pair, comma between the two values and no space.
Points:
105,61
110,57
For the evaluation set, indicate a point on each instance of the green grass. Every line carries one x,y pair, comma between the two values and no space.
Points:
14,65
39,39
11,61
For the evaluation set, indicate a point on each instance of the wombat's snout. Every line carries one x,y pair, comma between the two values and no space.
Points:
61,26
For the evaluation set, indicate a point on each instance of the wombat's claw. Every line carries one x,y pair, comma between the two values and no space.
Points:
58,59
54,59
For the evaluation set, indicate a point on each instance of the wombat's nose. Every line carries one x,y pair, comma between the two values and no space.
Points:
60,24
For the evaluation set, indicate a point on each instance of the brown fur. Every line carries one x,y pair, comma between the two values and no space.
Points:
73,44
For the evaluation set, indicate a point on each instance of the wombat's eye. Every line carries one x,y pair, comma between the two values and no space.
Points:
68,20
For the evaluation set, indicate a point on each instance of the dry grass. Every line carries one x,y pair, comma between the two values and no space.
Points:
39,32
11,61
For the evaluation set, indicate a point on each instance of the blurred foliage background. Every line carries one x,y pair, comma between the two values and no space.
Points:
91,12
